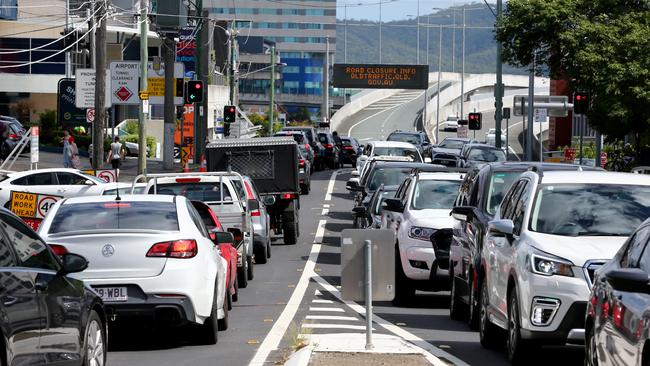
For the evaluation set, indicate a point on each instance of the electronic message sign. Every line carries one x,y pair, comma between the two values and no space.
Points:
369,76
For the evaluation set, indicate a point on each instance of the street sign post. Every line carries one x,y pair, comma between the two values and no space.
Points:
371,76
85,88
90,115
33,146
156,83
125,82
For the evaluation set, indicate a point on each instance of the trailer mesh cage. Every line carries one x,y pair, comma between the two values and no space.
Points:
255,164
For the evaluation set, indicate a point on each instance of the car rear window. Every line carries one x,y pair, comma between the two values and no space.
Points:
346,142
404,137
115,215
205,192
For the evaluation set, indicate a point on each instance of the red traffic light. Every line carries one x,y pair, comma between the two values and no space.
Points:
232,109
578,97
197,85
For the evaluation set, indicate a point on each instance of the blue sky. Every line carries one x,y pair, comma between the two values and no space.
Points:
390,9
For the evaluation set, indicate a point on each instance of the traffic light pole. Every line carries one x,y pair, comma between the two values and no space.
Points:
498,90
169,124
272,92
100,87
142,117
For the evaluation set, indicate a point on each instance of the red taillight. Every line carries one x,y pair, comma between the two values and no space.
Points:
117,205
249,191
348,148
307,146
13,136
188,180
605,309
617,314
59,250
329,146
287,196
174,249
302,162
256,213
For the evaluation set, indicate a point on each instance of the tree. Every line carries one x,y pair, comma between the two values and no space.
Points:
301,115
599,46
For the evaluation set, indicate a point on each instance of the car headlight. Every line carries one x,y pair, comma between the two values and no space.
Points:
421,233
548,266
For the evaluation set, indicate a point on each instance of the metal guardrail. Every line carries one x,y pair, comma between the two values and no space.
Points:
15,153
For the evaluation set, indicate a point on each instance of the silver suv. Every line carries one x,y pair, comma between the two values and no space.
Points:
550,233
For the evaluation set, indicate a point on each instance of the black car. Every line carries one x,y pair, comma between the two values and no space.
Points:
617,324
350,150
332,150
301,139
312,136
475,154
417,138
370,216
447,152
478,199
41,305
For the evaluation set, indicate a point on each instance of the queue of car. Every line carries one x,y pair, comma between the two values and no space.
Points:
171,249
534,254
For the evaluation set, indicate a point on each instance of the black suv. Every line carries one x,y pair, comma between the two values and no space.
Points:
332,149
312,136
417,138
350,150
478,198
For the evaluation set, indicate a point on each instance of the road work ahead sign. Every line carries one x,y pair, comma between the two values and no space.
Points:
368,76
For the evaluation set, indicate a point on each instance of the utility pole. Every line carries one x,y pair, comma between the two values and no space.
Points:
68,63
272,92
428,22
169,47
417,26
439,72
100,87
144,104
326,81
498,89
202,66
453,44
231,68
380,1
462,75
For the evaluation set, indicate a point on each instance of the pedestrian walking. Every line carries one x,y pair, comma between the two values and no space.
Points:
75,162
67,140
116,154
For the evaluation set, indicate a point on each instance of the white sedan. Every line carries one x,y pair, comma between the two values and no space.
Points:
150,256
62,182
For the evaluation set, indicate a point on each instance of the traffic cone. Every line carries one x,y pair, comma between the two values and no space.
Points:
186,168
203,167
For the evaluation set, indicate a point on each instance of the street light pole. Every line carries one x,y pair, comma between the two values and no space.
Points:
380,2
272,95
462,75
498,90
439,72
453,44
417,26
428,22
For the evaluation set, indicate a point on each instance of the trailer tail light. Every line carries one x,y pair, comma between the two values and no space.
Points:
288,196
13,136
58,249
174,249
302,163
188,180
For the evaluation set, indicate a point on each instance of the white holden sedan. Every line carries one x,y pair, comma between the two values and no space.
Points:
150,256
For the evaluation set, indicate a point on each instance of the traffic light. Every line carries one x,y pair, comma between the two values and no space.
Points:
229,114
70,36
193,91
475,121
580,102
226,129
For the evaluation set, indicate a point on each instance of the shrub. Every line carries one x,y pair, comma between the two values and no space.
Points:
150,140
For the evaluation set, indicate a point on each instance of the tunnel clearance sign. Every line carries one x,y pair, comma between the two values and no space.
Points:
368,76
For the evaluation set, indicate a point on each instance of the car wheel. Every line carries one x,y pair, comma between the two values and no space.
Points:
95,341
491,337
289,227
261,254
473,307
235,296
223,322
516,346
242,275
304,189
591,351
210,328
404,290
456,310
268,247
249,271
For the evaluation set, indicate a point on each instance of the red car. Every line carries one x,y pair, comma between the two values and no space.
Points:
228,250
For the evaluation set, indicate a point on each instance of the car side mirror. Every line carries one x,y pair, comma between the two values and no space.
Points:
222,237
503,227
268,200
353,185
393,204
237,234
253,205
629,280
355,173
360,210
89,182
72,263
462,213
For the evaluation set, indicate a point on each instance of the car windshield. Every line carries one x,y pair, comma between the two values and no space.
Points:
206,192
115,215
404,137
499,184
323,138
435,194
486,155
345,142
590,209
388,177
376,210
398,151
451,144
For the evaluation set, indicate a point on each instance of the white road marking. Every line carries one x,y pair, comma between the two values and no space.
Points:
331,317
330,186
430,351
334,326
325,211
317,293
321,301
327,310
320,232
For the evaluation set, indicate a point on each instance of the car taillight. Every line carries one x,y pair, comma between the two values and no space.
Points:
348,148
302,162
188,180
249,191
618,313
256,213
329,146
13,136
59,250
287,196
174,249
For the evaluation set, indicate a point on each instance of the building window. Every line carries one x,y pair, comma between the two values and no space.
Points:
267,11
291,70
315,12
313,70
290,55
313,26
290,12
312,85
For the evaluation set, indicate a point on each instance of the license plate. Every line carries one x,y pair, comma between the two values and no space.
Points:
112,293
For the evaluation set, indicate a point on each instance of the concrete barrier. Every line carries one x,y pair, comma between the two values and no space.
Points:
359,102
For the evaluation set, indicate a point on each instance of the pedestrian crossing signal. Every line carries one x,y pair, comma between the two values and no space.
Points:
229,114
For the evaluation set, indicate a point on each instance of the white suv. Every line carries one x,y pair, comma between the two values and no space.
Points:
550,233
420,210
389,148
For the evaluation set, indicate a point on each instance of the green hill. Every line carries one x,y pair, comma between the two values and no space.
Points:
399,41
